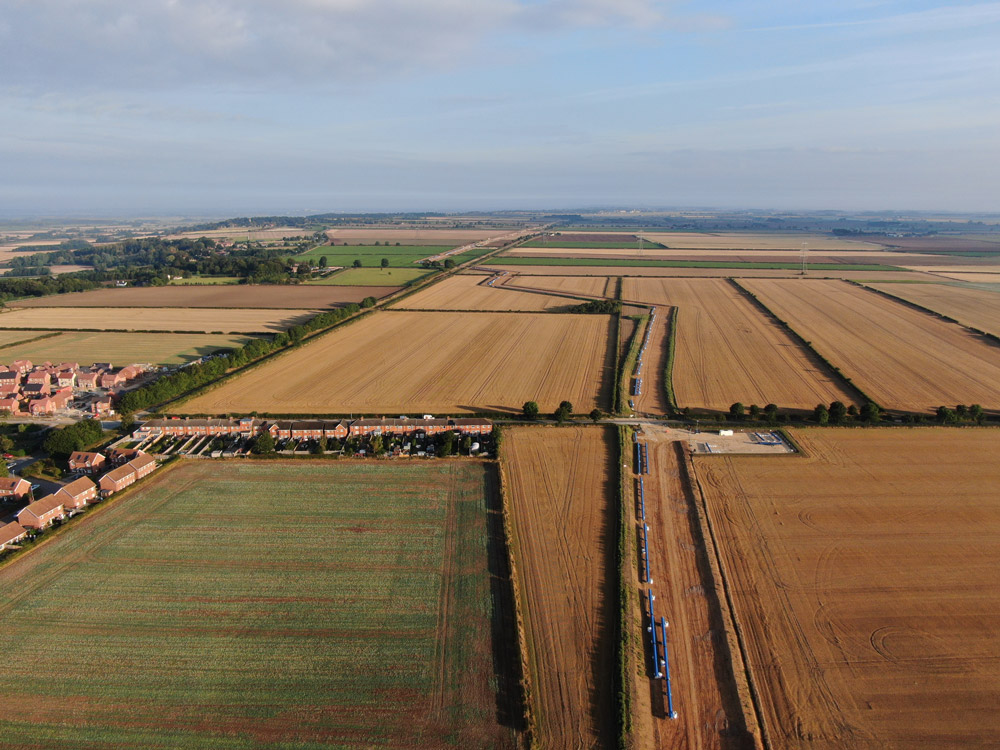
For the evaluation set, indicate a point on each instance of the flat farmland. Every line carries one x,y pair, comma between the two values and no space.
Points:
231,320
794,257
904,358
223,606
8,338
431,362
470,292
757,241
972,307
408,236
383,280
271,296
863,575
673,272
588,286
560,484
120,349
727,350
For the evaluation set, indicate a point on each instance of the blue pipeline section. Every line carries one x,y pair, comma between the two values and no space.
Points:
642,501
645,550
652,633
666,668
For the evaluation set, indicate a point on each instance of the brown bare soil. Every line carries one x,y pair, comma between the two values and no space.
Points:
946,244
972,307
903,358
653,399
728,351
236,296
864,582
704,690
597,286
434,362
154,319
463,292
757,241
612,270
560,489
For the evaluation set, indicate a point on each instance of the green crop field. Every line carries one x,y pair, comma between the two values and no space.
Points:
373,277
654,263
292,604
402,256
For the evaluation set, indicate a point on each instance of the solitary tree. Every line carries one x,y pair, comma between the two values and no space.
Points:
368,302
737,410
323,262
6,444
870,412
263,444
385,262
357,262
821,415
449,262
563,412
838,412
771,413
596,414
530,409
447,444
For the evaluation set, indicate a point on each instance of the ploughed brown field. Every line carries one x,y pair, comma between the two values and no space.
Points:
560,489
757,241
236,296
946,244
596,286
903,358
470,292
864,580
155,319
972,307
393,363
727,350
704,689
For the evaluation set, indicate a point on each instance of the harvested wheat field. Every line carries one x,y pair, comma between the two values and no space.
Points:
431,362
471,293
845,257
235,296
972,307
155,319
676,272
120,349
727,350
560,490
756,241
710,714
971,278
405,236
863,577
903,358
588,286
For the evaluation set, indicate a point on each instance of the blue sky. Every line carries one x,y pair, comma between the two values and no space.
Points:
205,107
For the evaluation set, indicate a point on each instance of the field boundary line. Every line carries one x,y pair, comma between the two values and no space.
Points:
747,690
667,382
624,374
523,638
31,340
807,346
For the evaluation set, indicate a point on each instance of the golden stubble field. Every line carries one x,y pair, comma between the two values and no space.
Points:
155,319
560,485
756,241
398,362
972,307
251,296
671,272
588,286
412,236
903,358
864,580
469,292
727,350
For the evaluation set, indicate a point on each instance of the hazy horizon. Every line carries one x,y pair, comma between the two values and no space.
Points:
153,108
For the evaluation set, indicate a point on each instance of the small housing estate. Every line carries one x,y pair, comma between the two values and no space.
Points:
36,390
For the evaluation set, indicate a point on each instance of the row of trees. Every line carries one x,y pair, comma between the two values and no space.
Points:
563,412
836,413
188,378
604,306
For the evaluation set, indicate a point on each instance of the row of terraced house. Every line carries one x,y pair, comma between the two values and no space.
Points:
313,429
130,467
26,388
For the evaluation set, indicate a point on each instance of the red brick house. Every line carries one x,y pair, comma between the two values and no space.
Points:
87,380
102,407
111,380
41,513
86,462
12,405
61,398
119,456
10,534
36,390
38,376
77,494
14,487
40,406
117,480
21,366
66,379
143,465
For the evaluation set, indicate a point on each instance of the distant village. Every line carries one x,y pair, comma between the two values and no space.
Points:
33,390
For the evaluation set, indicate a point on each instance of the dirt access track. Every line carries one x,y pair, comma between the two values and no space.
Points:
864,581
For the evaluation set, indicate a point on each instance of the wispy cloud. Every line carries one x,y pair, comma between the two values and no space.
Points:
945,18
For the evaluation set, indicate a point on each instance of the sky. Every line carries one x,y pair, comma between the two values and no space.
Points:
236,107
